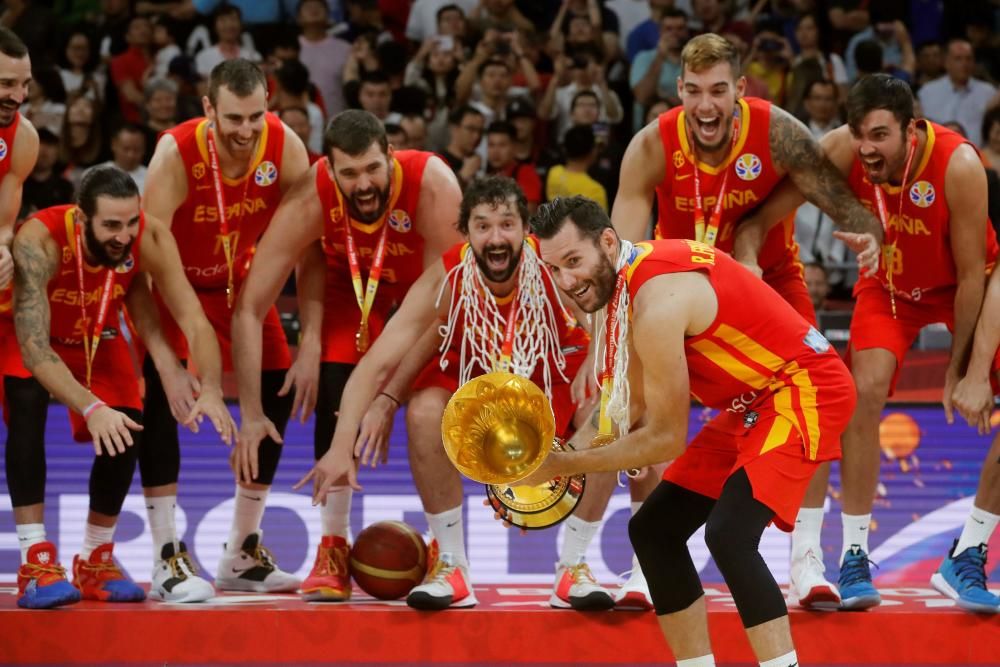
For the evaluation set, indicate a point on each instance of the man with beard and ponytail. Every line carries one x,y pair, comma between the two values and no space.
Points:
217,182
76,268
927,185
678,328
494,282
715,159
372,219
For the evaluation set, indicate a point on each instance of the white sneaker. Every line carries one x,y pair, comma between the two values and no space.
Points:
174,578
634,593
446,585
576,588
808,588
253,570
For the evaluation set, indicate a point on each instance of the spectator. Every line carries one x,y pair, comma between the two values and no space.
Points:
362,17
654,72
487,78
521,113
715,16
821,109
415,128
181,73
165,40
990,145
161,112
655,109
228,23
586,72
571,178
847,17
869,59
817,284
892,36
292,90
297,120
930,63
466,124
957,95
362,60
375,95
831,65
434,69
260,17
128,146
81,140
500,160
45,105
128,70
323,54
754,87
78,64
499,12
451,23
45,186
979,30
590,22
112,28
630,14
396,136
646,35
427,17
34,23
770,59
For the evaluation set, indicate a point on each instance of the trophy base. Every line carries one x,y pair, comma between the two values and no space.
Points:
537,507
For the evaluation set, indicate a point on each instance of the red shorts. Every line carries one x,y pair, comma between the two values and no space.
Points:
771,450
113,376
789,282
873,326
275,346
563,406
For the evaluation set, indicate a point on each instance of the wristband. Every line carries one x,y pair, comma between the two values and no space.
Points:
390,397
89,410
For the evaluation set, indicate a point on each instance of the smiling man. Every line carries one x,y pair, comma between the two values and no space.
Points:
383,217
217,182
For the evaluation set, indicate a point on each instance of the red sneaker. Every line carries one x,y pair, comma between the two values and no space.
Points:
330,579
99,578
41,582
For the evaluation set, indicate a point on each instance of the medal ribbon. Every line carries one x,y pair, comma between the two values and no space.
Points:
507,350
701,233
220,202
605,429
92,336
365,292
883,214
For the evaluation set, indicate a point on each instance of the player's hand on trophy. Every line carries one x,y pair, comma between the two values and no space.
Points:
304,376
548,470
866,247
973,399
328,470
111,430
372,444
243,458
181,389
6,265
211,404
501,514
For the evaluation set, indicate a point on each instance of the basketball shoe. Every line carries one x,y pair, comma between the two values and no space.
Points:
962,577
856,588
174,578
576,588
446,585
808,588
634,593
41,582
99,578
253,569
330,579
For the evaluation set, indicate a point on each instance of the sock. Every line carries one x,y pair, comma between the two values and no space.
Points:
979,527
28,535
447,530
95,536
703,661
247,513
160,511
855,532
336,513
576,539
787,660
808,528
636,504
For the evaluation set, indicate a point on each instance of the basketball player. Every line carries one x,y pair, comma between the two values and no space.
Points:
217,182
678,328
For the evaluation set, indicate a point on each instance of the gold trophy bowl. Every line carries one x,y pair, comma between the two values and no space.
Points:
497,429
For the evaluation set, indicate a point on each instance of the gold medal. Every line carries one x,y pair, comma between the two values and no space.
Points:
361,340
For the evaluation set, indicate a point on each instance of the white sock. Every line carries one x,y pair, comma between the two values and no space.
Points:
787,660
95,536
447,530
808,528
636,504
160,511
979,527
335,515
703,661
28,535
576,539
855,532
247,513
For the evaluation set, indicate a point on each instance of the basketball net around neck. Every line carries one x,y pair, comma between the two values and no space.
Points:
617,406
536,332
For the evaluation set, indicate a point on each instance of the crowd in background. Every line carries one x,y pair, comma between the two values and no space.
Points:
548,92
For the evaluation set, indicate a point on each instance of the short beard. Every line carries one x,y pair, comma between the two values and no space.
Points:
604,280
512,266
99,252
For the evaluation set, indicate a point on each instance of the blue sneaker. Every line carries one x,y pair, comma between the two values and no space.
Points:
41,582
856,589
963,579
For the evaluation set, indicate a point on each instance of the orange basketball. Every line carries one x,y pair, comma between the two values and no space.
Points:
388,559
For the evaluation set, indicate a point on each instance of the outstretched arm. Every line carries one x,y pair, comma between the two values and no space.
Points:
22,162
643,168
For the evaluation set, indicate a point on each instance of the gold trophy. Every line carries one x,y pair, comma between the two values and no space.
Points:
497,429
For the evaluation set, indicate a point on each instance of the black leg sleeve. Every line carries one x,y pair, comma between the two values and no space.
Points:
28,406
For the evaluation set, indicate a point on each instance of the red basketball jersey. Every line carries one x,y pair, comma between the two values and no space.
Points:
752,177
7,135
250,202
404,248
764,353
922,261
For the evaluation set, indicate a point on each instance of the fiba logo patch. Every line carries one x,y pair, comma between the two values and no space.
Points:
678,159
748,166
400,221
3,149
266,174
127,265
922,194
198,170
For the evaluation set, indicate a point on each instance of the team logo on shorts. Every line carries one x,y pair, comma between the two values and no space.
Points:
198,171
816,341
266,174
3,149
748,166
678,159
922,194
127,265
400,221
